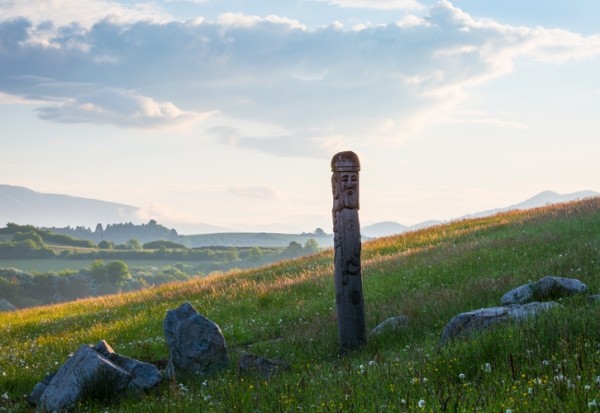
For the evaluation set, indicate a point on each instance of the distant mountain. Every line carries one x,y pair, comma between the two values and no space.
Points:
23,206
26,207
383,229
542,199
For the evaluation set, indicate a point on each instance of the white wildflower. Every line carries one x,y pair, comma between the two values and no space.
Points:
5,396
593,404
372,363
545,362
461,376
587,387
508,411
403,401
207,397
421,403
487,367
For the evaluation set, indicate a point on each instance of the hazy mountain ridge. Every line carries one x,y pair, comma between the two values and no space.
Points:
382,229
24,206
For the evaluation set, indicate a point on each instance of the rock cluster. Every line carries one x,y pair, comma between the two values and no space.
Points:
518,304
92,372
196,347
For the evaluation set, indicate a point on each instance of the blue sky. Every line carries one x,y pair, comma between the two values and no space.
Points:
228,112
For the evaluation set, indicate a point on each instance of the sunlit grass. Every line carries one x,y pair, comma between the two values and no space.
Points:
287,311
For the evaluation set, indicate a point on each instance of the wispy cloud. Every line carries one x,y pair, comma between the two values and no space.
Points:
122,108
316,85
261,192
377,4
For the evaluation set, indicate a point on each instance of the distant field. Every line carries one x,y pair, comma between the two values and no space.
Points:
58,264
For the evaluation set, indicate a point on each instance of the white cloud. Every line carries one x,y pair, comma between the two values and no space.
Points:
377,4
240,20
317,88
84,13
121,108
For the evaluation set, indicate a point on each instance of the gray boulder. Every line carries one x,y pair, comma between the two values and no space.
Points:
594,298
547,288
196,344
92,372
467,323
393,324
39,389
144,376
6,305
252,364
85,374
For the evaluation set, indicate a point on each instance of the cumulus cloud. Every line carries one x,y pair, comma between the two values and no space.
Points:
377,4
317,85
83,13
120,108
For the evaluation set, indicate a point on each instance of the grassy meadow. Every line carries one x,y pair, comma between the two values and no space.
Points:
287,310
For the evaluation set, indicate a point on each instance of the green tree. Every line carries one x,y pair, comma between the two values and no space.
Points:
134,244
106,245
117,272
294,249
311,246
26,236
255,254
319,232
98,272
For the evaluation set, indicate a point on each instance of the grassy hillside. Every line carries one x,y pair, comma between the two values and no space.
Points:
287,311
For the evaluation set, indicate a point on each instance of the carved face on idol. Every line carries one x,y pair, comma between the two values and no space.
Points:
349,189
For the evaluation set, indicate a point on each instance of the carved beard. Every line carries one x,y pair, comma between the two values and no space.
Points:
350,198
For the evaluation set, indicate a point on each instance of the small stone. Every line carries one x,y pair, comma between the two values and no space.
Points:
548,288
473,321
393,324
256,365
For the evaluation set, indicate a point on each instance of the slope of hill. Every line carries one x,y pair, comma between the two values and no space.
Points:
542,199
383,229
550,363
26,207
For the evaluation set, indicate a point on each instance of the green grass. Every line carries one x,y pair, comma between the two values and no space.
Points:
287,310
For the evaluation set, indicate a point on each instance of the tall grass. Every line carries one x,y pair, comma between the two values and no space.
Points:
287,310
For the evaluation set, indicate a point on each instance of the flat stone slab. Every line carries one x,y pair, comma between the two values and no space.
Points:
251,364
84,374
548,288
92,371
470,322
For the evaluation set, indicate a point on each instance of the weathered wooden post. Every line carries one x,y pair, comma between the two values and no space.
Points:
347,273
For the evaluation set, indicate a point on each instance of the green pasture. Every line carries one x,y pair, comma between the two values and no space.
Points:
287,311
